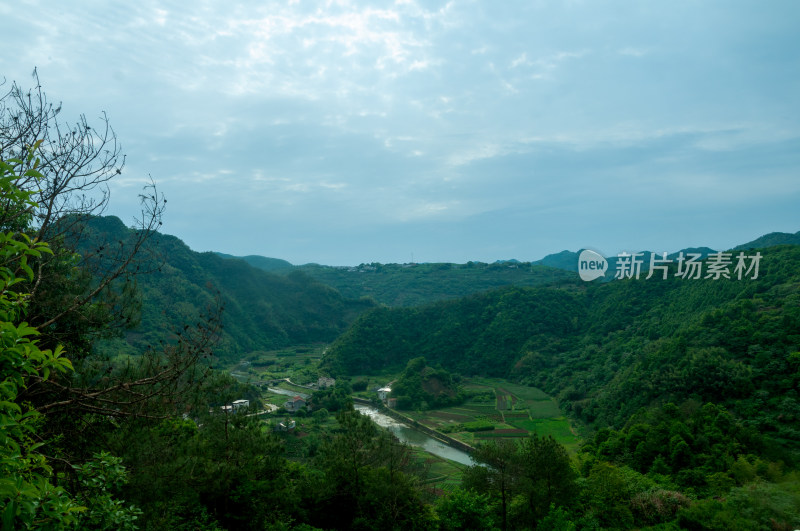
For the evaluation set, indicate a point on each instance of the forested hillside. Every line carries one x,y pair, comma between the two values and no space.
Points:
416,284
262,262
261,310
772,239
479,334
605,350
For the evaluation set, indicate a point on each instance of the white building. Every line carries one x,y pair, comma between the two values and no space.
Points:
238,404
383,393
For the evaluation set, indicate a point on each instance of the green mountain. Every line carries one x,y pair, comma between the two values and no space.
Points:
407,285
422,386
414,284
261,310
262,262
568,260
770,240
606,350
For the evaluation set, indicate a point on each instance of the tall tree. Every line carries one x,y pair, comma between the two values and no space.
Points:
499,478
548,477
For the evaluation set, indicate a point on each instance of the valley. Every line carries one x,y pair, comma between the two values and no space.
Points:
643,401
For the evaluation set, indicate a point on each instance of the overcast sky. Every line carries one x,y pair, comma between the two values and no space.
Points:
344,132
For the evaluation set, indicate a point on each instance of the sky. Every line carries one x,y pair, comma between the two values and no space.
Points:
347,132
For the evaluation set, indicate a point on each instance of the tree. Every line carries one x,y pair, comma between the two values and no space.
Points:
366,483
84,288
73,283
499,478
28,499
464,509
75,162
548,478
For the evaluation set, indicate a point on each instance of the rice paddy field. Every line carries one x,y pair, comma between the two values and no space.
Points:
508,411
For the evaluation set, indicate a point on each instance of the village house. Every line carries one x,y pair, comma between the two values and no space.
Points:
239,404
324,382
295,404
383,393
236,405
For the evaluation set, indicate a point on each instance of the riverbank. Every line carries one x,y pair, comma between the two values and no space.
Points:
408,421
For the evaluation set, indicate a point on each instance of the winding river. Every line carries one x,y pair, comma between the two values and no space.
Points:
405,433
411,436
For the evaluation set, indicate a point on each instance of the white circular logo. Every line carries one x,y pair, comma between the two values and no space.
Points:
591,265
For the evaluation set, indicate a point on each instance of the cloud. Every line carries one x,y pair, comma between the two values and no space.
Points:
348,121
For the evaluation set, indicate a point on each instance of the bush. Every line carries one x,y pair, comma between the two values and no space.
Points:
478,425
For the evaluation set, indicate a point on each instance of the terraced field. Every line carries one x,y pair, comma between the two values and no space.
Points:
515,411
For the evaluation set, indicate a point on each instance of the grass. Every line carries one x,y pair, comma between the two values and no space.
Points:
491,435
516,414
511,406
523,392
435,472
559,428
543,409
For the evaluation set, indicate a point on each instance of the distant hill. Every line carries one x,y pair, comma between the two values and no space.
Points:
770,240
702,251
262,310
415,284
408,285
568,260
262,262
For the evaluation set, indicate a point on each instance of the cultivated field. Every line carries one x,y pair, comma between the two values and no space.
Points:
501,410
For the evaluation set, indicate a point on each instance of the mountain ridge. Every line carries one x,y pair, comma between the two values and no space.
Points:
262,310
566,260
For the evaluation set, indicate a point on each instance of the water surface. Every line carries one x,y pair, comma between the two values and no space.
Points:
409,435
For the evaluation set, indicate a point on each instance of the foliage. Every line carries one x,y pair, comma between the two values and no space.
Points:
366,482
464,509
422,387
98,481
608,350
478,425
408,285
28,499
334,398
262,310
527,479
480,334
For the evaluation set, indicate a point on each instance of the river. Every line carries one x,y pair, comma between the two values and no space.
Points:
407,434
411,436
